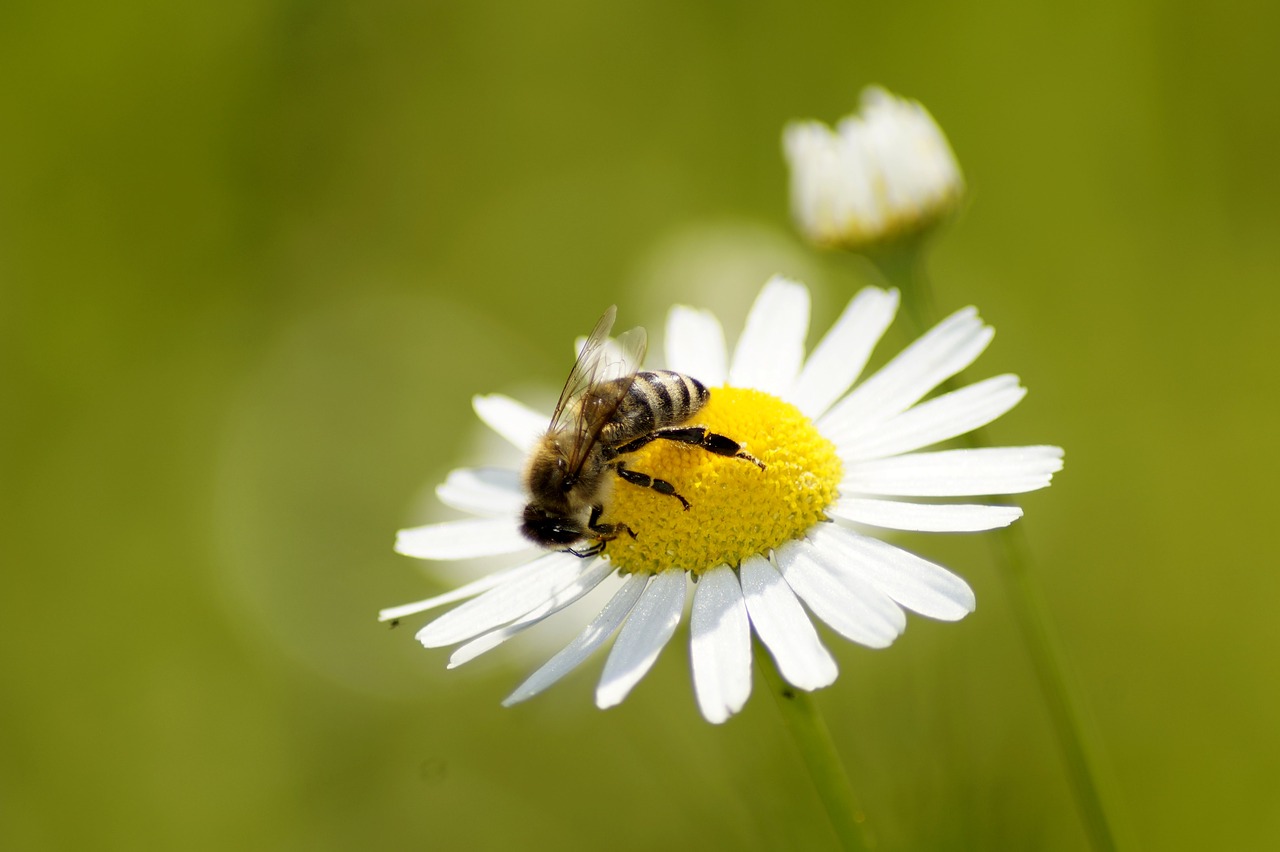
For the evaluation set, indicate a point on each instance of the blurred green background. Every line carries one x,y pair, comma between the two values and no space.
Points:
255,258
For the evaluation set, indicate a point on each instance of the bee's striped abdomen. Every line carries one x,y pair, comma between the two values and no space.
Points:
656,399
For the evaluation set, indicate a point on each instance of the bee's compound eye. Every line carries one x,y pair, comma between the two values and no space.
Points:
544,528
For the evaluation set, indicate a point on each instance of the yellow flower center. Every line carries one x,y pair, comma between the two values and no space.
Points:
735,508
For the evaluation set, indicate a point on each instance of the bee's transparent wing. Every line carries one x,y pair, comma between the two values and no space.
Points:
600,378
585,368
600,361
627,351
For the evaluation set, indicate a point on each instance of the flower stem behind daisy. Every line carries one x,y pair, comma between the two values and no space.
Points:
903,266
1077,736
809,732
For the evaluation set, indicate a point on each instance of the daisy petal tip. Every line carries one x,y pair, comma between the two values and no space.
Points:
516,422
1054,460
716,715
888,297
683,313
782,282
964,605
519,696
819,678
524,692
425,638
409,542
609,697
718,704
695,344
405,547
440,632
955,603
486,405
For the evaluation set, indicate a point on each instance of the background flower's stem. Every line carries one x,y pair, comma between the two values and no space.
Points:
903,266
810,734
1076,737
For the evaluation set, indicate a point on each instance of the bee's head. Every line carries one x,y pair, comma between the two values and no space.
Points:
549,529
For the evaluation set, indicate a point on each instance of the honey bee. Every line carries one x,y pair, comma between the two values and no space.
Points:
608,409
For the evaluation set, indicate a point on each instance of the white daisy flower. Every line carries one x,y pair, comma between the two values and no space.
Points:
767,546
879,175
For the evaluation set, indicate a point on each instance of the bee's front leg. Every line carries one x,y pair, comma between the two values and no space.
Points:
605,532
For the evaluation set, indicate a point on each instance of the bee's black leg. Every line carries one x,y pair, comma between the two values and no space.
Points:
696,436
605,532
596,548
645,481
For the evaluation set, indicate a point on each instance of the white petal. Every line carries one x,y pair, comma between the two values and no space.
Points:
923,517
842,354
488,491
720,645
515,421
470,590
916,583
941,418
566,596
884,607
784,628
695,345
853,609
822,200
646,632
573,654
955,473
945,350
771,348
510,600
462,539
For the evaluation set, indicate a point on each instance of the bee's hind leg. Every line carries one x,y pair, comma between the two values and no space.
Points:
644,480
697,436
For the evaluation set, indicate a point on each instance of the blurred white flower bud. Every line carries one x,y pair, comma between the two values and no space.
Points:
883,173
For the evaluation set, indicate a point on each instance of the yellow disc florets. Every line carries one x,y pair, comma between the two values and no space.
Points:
735,508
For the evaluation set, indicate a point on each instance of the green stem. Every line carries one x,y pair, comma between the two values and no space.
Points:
1076,736
813,739
900,263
